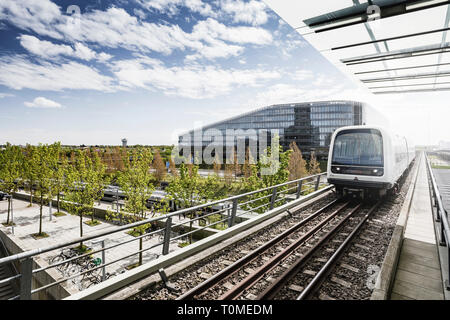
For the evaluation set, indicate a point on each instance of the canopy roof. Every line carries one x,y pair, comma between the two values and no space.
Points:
389,46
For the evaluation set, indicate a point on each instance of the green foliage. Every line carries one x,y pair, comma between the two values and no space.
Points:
45,158
11,159
279,173
314,165
30,166
135,181
84,180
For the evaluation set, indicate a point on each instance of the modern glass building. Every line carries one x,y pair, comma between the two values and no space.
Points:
310,125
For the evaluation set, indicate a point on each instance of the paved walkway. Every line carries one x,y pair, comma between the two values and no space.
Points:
65,228
418,274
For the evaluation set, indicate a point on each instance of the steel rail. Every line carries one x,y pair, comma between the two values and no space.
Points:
239,288
328,267
231,269
277,285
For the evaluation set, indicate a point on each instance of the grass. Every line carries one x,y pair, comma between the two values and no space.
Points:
183,244
38,236
82,249
132,266
134,233
59,214
440,167
8,224
92,223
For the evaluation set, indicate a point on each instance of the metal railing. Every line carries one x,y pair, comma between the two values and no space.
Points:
168,233
441,216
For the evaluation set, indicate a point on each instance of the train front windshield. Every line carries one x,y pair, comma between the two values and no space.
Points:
358,148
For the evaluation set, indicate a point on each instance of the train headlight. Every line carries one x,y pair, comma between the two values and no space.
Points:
375,170
338,169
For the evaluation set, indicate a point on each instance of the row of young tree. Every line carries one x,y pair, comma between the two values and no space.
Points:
50,171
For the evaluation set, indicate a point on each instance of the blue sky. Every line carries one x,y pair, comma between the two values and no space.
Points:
147,70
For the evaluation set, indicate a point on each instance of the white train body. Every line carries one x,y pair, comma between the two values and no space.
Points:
367,158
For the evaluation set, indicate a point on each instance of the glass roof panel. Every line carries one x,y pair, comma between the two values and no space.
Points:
404,24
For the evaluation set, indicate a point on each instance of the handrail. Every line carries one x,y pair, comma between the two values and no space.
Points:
276,195
442,217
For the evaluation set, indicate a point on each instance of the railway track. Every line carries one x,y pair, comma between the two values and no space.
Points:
271,269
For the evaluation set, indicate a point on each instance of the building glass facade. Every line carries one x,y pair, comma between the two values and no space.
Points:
310,125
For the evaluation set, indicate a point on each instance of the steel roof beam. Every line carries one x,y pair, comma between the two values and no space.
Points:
399,54
412,91
409,85
404,68
408,77
390,39
360,13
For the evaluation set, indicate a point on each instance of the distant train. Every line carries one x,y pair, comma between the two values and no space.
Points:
367,160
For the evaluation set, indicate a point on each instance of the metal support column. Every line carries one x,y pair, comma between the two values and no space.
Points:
166,243
299,189
317,183
273,198
26,270
233,213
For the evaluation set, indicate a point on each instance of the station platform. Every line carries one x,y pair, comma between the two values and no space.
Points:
418,275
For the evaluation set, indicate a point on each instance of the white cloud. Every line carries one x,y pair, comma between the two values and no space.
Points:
19,73
301,75
211,29
195,82
253,12
36,15
287,93
171,7
115,28
5,95
41,102
47,49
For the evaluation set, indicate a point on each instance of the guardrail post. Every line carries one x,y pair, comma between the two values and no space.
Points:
233,213
447,282
166,243
272,199
103,260
317,183
26,270
299,189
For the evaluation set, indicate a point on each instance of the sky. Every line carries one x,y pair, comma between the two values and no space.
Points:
96,71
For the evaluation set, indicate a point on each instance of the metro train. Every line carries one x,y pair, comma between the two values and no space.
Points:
367,161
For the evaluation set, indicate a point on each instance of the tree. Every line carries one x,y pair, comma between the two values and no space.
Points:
160,168
190,189
314,165
84,178
29,169
278,169
11,159
59,180
217,165
135,181
46,158
297,165
247,168
172,167
236,166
